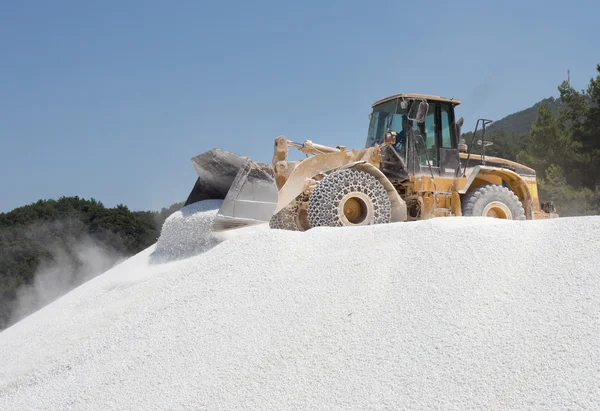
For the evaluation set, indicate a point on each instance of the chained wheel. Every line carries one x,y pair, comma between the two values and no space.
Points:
292,217
348,198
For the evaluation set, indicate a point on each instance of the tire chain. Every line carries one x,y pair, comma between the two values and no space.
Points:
285,219
326,196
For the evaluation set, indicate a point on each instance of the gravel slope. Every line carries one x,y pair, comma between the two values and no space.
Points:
453,314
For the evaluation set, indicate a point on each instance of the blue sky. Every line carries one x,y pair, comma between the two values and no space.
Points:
111,99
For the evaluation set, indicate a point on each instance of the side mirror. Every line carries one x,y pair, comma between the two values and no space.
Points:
459,124
422,111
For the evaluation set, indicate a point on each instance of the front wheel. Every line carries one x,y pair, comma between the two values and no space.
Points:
493,201
348,198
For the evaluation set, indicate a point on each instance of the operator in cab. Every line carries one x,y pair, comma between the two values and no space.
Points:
400,145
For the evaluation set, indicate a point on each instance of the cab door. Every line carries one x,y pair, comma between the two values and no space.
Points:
448,140
428,149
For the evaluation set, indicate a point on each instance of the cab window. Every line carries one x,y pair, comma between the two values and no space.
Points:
446,130
429,136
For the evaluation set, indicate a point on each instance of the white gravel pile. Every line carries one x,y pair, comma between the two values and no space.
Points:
187,232
451,314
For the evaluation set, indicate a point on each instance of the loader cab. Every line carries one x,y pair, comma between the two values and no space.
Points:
420,147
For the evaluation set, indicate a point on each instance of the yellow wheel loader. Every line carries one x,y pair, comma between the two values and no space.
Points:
413,166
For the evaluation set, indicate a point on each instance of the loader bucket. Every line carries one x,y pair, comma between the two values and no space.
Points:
248,189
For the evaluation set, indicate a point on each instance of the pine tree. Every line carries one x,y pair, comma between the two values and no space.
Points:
581,120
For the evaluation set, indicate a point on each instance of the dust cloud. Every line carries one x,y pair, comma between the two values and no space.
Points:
70,262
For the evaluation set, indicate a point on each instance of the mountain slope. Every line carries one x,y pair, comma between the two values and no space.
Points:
510,134
520,122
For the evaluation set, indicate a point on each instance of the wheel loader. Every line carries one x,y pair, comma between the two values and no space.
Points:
414,166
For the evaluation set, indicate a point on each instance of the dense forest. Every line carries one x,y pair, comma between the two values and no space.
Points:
561,142
50,247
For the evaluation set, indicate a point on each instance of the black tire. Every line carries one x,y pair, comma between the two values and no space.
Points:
493,201
348,198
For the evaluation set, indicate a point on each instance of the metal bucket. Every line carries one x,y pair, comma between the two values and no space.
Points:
247,188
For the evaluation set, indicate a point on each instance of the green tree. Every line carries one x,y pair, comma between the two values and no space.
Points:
572,201
548,144
565,150
581,119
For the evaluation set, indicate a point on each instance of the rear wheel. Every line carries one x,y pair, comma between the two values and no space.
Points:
293,217
493,201
348,198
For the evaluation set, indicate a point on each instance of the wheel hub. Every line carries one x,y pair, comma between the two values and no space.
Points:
355,209
496,209
302,219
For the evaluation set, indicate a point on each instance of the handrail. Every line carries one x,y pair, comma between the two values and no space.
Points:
484,121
